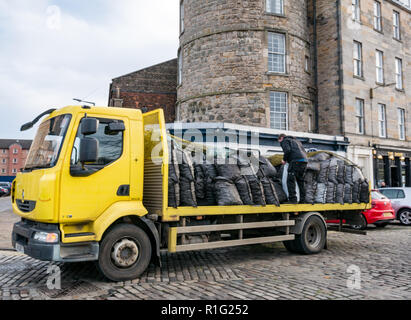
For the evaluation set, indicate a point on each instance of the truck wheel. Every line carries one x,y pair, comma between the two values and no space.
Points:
125,253
313,237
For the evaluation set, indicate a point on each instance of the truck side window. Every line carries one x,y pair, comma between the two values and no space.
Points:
110,145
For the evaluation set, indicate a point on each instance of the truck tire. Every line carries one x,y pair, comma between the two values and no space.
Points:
312,238
289,245
125,253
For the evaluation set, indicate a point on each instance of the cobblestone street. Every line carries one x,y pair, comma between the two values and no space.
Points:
253,272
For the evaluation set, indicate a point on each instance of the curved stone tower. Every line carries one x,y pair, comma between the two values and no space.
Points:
242,62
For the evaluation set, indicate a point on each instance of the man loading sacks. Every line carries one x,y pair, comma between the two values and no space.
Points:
296,157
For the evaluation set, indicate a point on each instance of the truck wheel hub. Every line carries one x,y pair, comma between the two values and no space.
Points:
125,253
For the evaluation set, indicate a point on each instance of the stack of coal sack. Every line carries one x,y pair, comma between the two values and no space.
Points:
245,181
233,181
332,179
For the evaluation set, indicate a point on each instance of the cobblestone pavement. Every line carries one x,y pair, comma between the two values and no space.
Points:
252,272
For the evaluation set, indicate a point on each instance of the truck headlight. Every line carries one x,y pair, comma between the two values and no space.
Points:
46,237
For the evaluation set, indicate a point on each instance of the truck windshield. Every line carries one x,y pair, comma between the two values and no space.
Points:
46,146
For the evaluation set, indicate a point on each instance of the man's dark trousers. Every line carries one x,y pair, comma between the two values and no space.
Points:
296,172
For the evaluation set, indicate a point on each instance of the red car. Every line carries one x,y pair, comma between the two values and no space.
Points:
380,214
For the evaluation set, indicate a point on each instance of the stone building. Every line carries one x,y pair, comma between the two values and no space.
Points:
333,67
338,68
13,155
364,83
151,88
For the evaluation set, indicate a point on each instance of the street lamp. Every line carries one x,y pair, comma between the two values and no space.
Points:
372,112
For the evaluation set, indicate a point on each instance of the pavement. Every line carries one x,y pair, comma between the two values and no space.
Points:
375,266
7,219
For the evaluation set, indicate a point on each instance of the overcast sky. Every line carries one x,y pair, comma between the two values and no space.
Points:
54,51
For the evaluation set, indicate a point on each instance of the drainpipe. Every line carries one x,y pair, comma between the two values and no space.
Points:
340,70
316,113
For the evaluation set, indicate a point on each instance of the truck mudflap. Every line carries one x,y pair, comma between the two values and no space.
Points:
24,241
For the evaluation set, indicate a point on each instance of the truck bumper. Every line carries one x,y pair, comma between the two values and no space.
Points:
23,241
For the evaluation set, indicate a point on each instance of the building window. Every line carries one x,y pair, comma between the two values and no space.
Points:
276,52
275,6
379,63
382,120
356,10
14,170
358,59
3,151
279,110
396,25
307,64
398,74
359,113
3,170
310,123
181,16
3,160
15,151
180,67
15,161
401,123
377,16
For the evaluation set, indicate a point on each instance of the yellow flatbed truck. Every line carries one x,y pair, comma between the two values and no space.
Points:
95,188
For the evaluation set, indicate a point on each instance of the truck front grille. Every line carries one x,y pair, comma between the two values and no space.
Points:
26,206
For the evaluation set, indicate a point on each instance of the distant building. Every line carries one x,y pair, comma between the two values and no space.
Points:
147,89
13,155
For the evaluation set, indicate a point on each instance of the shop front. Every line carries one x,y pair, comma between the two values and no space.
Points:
392,168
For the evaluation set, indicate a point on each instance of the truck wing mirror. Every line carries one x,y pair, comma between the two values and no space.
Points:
88,150
114,128
89,126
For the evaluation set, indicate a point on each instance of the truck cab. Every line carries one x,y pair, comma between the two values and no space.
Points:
83,173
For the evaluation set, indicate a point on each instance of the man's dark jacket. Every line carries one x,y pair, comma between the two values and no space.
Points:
293,149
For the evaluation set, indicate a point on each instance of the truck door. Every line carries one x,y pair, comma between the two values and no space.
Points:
87,190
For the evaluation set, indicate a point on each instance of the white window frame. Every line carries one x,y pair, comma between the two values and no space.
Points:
14,171
280,54
3,151
275,6
377,16
182,16
3,171
359,114
396,25
382,120
356,10
401,123
357,59
279,113
180,67
15,161
399,83
4,161
379,64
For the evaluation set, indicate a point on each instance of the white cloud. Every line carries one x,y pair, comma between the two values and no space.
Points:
46,60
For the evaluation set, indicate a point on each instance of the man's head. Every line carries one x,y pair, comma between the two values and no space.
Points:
281,137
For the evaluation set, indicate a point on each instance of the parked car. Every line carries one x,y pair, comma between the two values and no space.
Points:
401,203
381,213
7,186
3,191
